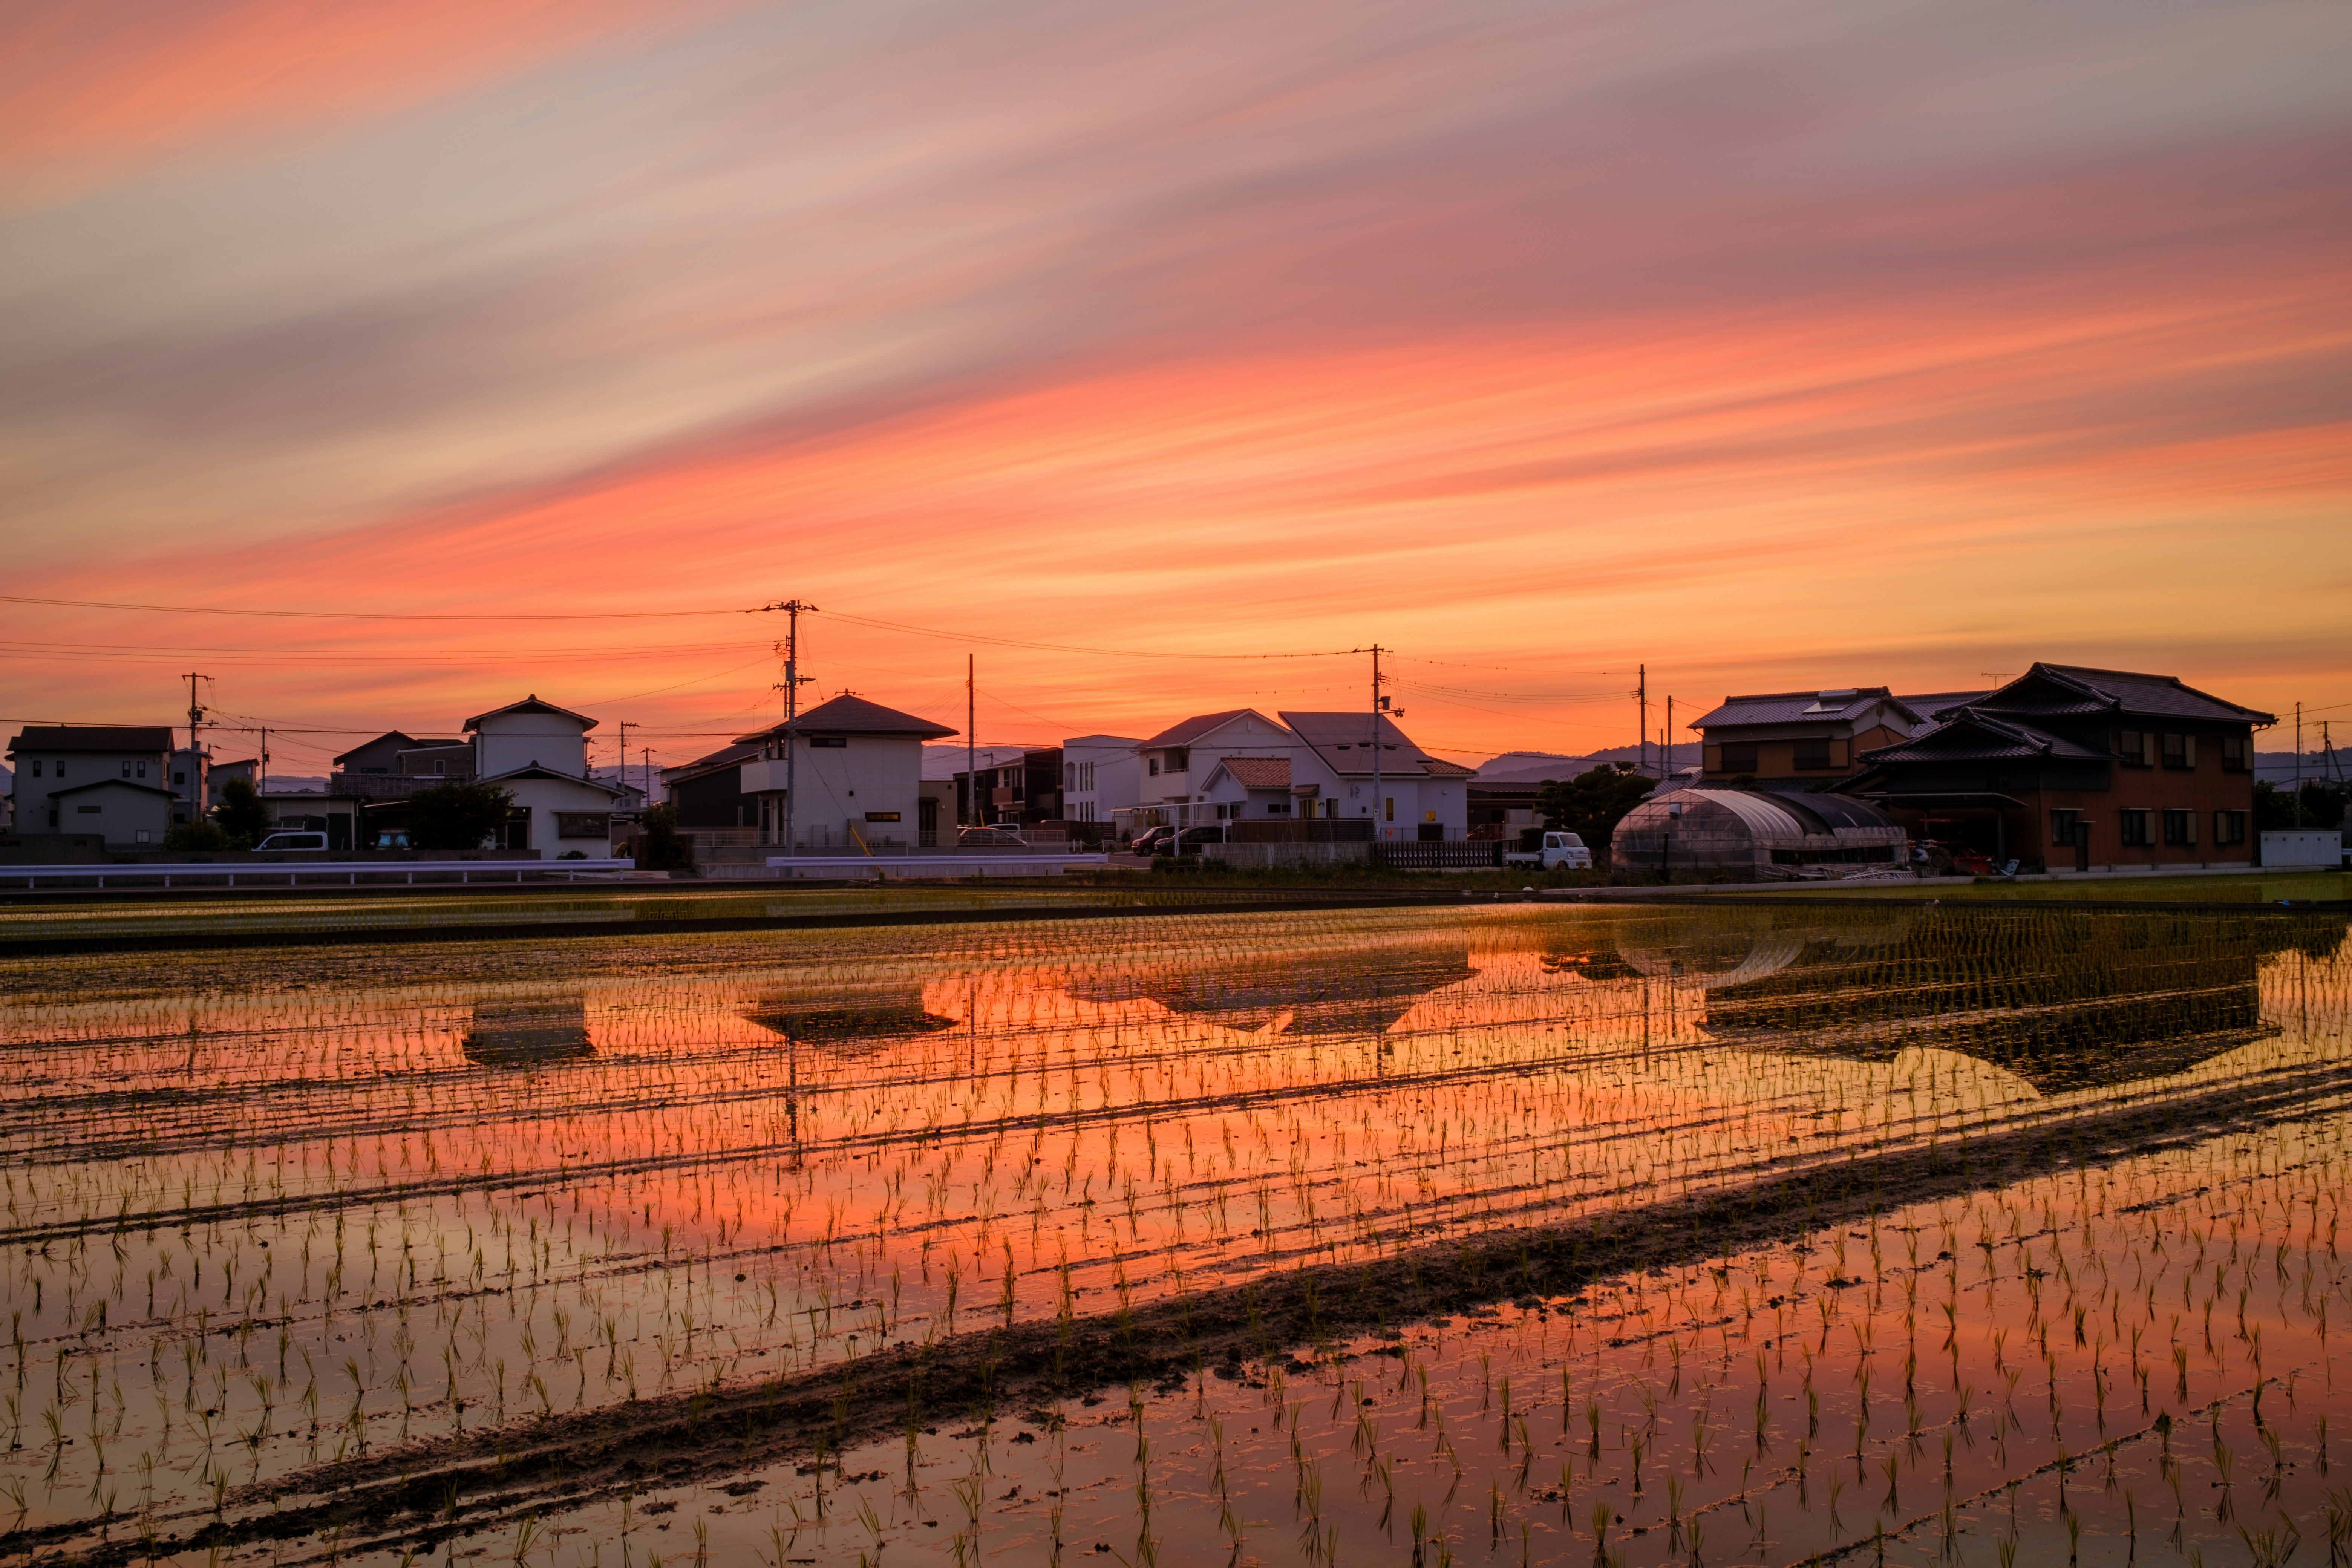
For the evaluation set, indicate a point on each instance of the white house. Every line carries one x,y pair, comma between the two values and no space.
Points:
1418,796
1099,774
858,767
57,764
538,753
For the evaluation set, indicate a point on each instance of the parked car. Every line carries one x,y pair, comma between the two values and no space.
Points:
1558,849
987,838
1189,842
1146,843
293,840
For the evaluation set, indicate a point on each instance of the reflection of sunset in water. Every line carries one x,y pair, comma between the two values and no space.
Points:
426,1199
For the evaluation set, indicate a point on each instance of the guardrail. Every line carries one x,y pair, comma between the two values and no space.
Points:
937,863
319,872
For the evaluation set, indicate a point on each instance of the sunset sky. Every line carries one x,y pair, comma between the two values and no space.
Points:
1817,344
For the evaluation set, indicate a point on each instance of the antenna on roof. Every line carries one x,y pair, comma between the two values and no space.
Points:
1996,676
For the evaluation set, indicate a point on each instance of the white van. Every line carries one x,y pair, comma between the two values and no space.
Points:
293,840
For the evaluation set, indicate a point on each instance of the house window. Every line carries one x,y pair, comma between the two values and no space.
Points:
1180,759
881,816
2179,750
1390,809
833,742
1154,765
2229,827
440,765
2134,823
36,770
1277,808
142,770
179,775
580,825
2063,825
126,770
2233,753
2131,747
87,810
1812,754
2180,828
1739,756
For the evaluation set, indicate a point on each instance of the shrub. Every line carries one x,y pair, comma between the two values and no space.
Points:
456,815
199,834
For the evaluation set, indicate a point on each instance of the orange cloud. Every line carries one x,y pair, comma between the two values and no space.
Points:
100,84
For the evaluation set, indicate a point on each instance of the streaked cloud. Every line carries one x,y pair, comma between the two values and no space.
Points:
1837,342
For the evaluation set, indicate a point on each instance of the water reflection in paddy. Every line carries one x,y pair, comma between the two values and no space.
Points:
256,1227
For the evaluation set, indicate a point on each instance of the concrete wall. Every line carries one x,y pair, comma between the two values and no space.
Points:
509,741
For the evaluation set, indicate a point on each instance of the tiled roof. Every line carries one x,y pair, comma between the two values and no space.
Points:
1930,705
1439,768
1185,731
2056,691
1795,707
1970,734
848,715
1344,741
72,738
725,757
1258,772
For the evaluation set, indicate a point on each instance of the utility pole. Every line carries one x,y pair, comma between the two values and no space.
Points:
647,752
2298,764
792,608
623,779
1380,705
265,757
1641,695
971,746
196,751
1666,757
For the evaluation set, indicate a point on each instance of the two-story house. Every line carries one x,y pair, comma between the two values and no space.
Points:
2073,768
857,767
106,780
1791,740
538,753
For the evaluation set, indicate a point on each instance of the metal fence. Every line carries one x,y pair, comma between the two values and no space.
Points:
309,873
1452,855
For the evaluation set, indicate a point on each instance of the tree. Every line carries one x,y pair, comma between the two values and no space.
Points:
1592,804
660,846
2322,806
458,816
240,814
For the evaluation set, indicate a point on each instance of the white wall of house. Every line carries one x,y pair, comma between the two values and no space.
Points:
40,774
1405,801
553,800
505,742
852,788
122,811
1246,734
1099,774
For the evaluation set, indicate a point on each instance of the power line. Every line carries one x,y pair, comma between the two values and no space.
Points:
365,614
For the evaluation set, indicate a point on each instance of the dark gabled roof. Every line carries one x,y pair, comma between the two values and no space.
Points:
1936,704
401,735
850,715
726,756
1343,741
1972,734
533,771
92,738
1439,768
1797,707
1258,772
111,783
1184,732
2073,690
532,704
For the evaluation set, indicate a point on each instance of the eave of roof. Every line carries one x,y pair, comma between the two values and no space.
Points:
111,783
849,714
1185,731
86,738
533,771
532,704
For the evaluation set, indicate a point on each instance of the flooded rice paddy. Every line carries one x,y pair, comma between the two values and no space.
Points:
1499,1235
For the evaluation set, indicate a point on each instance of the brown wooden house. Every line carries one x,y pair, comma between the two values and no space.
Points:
2067,767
